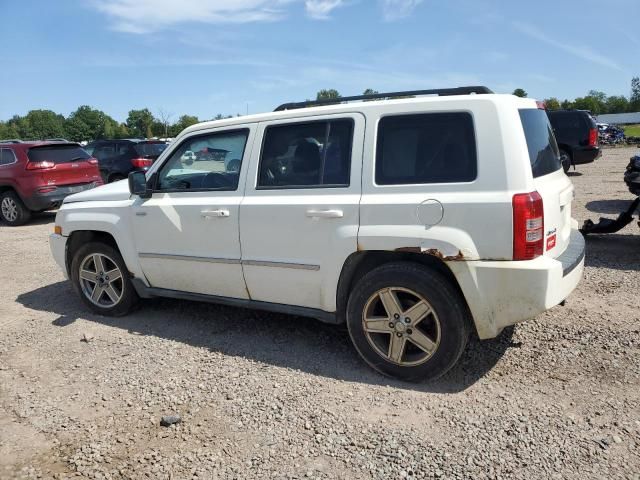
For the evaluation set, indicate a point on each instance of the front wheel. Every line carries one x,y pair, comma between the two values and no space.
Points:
100,277
407,321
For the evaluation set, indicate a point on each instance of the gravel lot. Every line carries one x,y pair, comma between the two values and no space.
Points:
272,396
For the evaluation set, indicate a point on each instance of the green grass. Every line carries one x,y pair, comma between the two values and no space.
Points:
632,130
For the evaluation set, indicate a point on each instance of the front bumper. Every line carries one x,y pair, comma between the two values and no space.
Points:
503,293
50,200
58,245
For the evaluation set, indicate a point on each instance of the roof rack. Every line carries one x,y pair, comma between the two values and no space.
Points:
441,92
11,140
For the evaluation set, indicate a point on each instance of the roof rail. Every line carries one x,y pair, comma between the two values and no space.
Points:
442,92
11,140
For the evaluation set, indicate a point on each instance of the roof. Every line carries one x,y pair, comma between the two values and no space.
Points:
363,107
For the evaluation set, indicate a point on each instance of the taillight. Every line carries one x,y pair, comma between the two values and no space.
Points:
40,165
593,137
141,162
47,189
92,161
528,226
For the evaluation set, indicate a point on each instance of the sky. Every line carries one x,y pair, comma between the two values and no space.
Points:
204,57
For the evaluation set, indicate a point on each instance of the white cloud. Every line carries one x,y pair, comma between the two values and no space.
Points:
321,9
143,16
397,9
584,53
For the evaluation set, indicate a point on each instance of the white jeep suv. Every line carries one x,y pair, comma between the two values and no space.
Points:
414,220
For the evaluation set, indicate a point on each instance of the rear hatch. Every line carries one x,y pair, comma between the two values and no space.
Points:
63,164
150,150
549,179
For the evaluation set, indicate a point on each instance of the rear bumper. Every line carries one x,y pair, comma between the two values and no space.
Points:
58,245
503,293
49,200
583,155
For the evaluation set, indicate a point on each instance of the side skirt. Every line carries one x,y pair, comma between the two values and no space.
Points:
151,292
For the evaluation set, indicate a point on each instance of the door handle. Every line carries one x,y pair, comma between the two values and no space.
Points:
325,213
214,213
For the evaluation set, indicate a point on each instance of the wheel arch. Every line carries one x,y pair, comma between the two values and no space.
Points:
81,237
360,263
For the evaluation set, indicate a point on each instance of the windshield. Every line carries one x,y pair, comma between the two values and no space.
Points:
150,149
57,154
543,149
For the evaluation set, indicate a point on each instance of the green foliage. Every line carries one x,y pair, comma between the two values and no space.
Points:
617,104
139,122
552,103
183,122
328,94
519,92
634,99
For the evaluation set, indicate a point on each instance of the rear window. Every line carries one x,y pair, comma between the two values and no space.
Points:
150,149
426,148
57,154
543,149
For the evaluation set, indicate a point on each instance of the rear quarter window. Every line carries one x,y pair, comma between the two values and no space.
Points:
544,155
426,148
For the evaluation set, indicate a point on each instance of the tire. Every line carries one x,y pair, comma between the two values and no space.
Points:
116,178
104,303
566,160
12,210
446,326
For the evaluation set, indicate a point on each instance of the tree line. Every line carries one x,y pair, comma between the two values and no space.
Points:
596,101
87,123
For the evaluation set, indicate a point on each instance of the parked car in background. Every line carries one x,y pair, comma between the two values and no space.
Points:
577,136
37,176
412,220
116,158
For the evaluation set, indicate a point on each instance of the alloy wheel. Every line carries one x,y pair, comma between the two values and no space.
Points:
9,209
401,326
101,280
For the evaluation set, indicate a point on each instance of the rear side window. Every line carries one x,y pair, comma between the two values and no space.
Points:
306,155
57,154
7,156
543,149
150,149
426,148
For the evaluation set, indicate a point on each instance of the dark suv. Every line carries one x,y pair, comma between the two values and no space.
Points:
116,158
577,136
37,176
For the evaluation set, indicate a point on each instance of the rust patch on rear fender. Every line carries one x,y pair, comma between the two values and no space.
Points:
434,252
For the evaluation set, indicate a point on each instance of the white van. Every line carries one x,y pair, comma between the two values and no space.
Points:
414,220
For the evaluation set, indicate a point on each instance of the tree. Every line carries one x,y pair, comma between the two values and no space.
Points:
617,104
139,122
42,124
183,122
328,94
87,123
566,104
519,92
370,91
552,103
588,103
163,118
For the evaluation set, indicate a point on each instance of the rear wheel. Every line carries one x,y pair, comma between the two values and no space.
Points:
565,158
408,321
99,275
12,210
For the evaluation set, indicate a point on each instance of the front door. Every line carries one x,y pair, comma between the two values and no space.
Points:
187,233
299,218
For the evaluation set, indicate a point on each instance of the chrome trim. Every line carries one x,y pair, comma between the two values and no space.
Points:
231,261
228,261
297,266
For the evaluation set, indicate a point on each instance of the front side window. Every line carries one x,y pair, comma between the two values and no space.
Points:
306,155
426,148
205,162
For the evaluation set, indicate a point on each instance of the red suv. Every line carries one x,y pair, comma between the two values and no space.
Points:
36,176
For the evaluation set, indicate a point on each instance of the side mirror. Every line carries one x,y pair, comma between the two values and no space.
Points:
138,184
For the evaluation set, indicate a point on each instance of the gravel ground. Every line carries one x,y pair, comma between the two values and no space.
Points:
272,396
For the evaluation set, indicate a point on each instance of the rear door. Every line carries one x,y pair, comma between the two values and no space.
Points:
549,179
68,164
